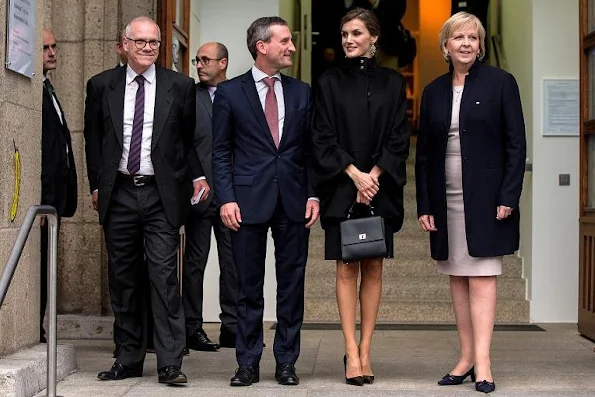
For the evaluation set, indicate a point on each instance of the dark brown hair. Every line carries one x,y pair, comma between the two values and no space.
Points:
366,16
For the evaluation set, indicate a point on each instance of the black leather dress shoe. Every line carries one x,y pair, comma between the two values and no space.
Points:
119,372
285,375
201,342
227,339
171,375
245,375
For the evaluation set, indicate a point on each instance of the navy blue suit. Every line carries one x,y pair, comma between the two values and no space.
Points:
271,187
493,151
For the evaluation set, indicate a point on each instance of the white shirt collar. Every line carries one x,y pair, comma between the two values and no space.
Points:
149,74
258,74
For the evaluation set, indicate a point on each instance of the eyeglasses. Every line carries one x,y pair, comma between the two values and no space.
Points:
204,60
140,44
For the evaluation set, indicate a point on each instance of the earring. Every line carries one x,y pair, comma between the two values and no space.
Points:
373,49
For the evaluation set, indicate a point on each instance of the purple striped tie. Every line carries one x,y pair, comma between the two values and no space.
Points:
137,127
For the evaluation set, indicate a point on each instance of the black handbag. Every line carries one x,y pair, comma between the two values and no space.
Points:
362,238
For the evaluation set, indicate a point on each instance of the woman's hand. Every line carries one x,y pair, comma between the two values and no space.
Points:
360,198
503,212
365,183
427,223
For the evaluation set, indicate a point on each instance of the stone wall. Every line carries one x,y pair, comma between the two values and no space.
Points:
20,119
86,32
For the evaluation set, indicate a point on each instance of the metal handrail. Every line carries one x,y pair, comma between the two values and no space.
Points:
13,260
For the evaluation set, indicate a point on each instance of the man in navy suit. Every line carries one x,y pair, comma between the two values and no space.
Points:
261,168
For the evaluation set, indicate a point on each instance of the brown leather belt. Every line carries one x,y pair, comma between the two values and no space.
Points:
137,180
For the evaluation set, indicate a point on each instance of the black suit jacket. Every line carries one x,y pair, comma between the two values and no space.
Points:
493,150
248,168
172,147
203,143
58,171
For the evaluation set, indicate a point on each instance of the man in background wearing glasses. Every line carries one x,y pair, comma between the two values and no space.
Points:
143,172
211,66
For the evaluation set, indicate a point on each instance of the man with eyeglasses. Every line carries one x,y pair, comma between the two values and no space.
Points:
58,172
143,172
211,66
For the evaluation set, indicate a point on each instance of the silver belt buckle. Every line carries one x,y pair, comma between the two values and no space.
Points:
137,180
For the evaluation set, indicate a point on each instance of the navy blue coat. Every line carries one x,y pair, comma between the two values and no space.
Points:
493,150
247,167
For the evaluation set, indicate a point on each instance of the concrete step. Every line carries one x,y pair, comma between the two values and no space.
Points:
415,288
416,311
399,268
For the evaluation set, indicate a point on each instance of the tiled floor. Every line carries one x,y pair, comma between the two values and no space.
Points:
557,362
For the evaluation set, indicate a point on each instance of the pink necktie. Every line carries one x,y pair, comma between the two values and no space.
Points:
271,111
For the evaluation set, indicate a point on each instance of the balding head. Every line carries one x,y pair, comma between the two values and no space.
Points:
49,50
211,63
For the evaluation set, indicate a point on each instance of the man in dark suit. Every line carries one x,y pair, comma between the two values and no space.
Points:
143,172
211,65
58,172
261,168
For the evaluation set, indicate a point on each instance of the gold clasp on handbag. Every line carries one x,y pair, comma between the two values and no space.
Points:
362,236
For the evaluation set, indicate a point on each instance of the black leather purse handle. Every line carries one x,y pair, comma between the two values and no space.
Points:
370,206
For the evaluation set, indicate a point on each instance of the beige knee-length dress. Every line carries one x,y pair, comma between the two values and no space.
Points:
459,262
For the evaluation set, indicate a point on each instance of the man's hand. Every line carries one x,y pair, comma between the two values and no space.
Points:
95,199
198,185
427,223
503,212
230,215
312,212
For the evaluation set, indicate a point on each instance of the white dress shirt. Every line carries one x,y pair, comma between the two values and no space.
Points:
212,90
146,166
262,89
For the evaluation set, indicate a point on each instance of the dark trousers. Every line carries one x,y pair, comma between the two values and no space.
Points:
198,244
148,312
291,251
137,212
43,269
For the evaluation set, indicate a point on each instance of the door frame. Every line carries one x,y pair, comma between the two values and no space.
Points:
586,304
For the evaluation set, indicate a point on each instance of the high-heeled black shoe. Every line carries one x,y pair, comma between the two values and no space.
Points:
449,380
369,379
485,387
355,381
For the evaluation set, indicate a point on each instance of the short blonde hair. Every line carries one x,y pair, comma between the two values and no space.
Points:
456,22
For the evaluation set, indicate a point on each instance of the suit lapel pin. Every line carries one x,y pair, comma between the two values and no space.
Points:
477,103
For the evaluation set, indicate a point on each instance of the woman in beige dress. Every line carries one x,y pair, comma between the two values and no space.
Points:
469,175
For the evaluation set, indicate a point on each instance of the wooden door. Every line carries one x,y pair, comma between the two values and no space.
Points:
586,304
173,17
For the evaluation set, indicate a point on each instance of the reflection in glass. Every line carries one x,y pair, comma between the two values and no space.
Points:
591,83
591,172
175,58
180,13
591,16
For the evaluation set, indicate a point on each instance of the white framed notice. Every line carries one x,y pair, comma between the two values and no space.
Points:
561,107
20,37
